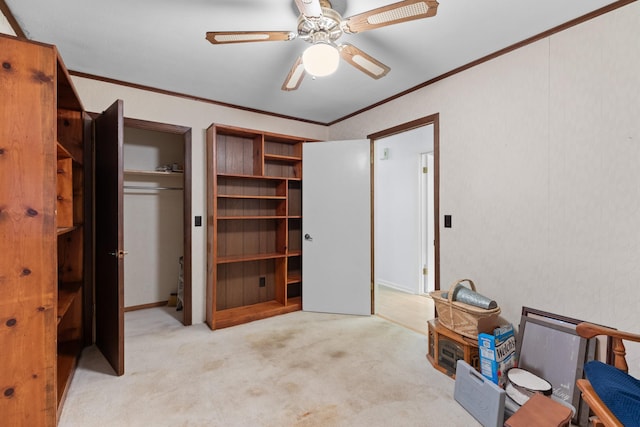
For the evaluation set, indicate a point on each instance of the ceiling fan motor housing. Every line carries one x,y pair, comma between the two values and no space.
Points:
326,28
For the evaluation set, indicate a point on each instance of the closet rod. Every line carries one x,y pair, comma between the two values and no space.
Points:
141,187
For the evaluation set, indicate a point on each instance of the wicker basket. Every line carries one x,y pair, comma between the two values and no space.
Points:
464,319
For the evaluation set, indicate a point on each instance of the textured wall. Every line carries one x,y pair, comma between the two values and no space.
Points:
539,153
140,104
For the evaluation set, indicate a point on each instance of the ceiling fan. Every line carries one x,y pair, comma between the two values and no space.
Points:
321,25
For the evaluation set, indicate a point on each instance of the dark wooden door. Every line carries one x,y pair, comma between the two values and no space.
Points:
109,256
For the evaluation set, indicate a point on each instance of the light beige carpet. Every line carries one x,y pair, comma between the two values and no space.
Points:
299,369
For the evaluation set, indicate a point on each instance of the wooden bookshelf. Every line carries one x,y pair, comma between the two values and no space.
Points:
255,219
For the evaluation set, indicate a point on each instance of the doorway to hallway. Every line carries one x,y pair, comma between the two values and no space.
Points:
405,207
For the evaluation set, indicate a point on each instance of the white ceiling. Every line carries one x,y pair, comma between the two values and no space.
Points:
161,44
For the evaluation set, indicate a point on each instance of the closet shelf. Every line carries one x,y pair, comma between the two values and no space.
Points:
143,187
152,173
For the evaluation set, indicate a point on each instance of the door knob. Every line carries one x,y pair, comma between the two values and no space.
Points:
119,254
308,237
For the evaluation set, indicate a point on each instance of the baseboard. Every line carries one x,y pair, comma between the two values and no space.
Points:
143,306
396,287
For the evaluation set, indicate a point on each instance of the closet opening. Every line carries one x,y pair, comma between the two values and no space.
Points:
157,217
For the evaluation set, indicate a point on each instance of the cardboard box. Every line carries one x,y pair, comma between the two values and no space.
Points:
497,354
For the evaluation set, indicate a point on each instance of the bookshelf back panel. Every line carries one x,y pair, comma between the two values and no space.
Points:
238,284
235,155
230,186
295,198
247,237
294,290
295,234
280,169
250,207
284,149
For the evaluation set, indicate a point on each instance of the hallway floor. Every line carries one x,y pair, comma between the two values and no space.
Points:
408,310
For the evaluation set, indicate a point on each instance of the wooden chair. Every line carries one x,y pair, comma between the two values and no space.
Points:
588,330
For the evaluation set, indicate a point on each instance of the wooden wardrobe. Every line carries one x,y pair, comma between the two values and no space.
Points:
45,232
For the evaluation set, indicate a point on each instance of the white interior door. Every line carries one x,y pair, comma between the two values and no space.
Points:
336,227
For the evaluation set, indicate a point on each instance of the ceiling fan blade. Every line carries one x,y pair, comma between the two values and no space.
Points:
309,8
395,13
226,37
295,76
363,62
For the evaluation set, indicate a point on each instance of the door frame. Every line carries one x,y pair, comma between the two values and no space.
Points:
433,119
430,215
187,231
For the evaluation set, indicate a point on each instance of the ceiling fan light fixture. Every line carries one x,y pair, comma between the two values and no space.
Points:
321,59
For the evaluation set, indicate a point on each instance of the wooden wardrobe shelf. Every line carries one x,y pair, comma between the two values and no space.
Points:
68,353
67,293
65,230
62,152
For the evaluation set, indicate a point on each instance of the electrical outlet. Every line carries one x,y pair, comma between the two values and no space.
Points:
263,282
